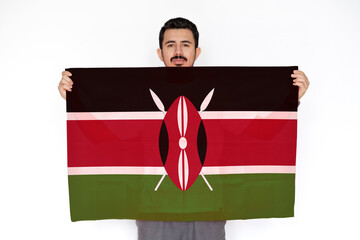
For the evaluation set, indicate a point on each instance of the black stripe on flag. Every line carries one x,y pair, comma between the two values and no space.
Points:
236,88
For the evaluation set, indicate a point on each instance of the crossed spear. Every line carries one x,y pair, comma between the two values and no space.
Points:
203,106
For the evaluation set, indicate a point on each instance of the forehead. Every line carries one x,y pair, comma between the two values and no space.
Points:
178,35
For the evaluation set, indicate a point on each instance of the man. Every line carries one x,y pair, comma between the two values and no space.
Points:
178,47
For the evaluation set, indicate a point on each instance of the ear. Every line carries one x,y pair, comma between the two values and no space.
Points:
197,52
159,52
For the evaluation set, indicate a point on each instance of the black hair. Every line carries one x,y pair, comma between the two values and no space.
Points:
179,23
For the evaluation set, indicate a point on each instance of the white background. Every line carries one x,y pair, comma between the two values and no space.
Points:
38,39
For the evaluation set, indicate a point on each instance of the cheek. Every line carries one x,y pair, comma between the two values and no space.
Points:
167,56
189,53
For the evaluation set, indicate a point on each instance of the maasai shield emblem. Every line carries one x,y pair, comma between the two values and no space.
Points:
182,124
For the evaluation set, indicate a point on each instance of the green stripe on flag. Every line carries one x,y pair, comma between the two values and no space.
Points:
235,196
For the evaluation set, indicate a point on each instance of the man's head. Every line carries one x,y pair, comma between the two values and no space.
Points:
178,40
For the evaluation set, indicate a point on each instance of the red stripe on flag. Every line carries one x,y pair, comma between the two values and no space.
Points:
113,143
230,142
250,142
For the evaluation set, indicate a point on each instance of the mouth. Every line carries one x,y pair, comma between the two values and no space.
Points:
178,60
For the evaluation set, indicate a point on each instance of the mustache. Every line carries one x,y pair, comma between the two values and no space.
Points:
178,57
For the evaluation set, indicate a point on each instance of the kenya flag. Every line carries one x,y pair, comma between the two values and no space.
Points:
182,144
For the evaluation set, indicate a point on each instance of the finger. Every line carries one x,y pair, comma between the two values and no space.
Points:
66,78
306,85
299,84
298,75
304,81
298,71
66,73
65,82
299,80
65,86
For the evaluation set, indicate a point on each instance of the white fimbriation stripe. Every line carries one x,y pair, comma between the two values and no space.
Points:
160,116
247,169
161,170
248,115
116,170
115,116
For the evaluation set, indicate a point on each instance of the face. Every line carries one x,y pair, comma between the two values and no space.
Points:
178,48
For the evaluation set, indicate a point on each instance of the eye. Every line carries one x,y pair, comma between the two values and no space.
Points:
186,45
170,45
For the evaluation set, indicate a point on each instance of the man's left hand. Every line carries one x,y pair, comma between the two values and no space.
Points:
300,80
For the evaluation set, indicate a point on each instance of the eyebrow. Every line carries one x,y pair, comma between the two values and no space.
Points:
184,41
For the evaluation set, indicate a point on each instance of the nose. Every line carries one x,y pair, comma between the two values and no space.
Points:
178,50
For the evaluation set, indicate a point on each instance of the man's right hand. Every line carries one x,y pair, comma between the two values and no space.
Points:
65,83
